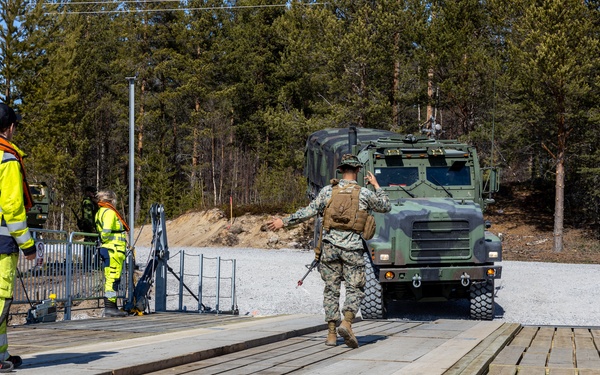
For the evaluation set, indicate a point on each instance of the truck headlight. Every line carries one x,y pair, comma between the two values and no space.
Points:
493,254
384,257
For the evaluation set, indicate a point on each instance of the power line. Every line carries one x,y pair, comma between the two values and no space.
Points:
235,7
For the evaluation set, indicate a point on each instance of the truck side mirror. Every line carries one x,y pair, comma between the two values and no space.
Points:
492,182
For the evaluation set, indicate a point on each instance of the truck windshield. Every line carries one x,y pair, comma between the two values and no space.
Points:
447,176
402,176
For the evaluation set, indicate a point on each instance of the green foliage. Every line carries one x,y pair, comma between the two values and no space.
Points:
225,97
279,187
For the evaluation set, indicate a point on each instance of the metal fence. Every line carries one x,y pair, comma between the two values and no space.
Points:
207,284
71,270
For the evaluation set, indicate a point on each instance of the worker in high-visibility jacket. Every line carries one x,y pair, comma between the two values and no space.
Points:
15,200
112,229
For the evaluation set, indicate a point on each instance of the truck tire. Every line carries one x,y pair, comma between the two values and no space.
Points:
372,306
482,300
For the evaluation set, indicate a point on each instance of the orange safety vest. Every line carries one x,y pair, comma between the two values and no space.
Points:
108,205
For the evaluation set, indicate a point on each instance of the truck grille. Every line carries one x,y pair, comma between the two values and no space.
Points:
439,240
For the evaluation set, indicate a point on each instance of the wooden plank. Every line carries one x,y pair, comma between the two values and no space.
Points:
477,361
562,371
502,370
511,355
587,358
525,336
589,371
542,342
596,335
583,339
563,339
533,359
562,358
531,370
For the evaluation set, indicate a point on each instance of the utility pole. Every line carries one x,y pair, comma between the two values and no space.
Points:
130,259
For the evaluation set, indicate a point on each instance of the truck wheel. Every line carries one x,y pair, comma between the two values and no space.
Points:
482,300
372,306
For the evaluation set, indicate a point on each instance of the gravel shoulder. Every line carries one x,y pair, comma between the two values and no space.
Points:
529,293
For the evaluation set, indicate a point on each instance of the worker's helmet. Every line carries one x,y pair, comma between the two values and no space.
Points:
350,160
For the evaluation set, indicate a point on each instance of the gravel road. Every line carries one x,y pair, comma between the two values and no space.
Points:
530,293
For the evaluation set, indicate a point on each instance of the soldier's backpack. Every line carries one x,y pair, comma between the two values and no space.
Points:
342,211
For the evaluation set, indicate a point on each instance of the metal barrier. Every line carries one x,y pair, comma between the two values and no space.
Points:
207,277
70,269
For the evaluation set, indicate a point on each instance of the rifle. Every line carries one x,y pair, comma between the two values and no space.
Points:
310,267
315,262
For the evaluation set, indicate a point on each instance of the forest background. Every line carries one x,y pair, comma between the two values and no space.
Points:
226,93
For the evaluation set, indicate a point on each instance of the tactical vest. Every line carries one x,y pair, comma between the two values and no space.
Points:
342,211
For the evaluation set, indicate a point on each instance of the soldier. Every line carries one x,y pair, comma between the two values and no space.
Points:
15,199
89,207
87,224
342,246
112,229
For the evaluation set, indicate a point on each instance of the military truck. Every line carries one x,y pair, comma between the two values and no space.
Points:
38,214
434,243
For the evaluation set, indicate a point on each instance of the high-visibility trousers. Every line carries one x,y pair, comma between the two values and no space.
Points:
8,271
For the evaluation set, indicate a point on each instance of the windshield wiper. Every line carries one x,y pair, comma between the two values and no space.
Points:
404,190
442,186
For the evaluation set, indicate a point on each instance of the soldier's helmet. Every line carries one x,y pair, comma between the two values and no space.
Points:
350,160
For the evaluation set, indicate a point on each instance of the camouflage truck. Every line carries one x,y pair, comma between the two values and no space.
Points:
434,243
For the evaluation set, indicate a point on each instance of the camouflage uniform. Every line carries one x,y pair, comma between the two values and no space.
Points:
341,257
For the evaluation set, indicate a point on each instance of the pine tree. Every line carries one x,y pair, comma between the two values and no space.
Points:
554,52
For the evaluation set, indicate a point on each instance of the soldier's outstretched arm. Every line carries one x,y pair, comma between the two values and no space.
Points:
303,214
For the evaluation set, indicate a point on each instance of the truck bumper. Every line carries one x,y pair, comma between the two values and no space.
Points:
472,273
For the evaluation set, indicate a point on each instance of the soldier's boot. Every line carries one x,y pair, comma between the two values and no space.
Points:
345,330
110,309
331,335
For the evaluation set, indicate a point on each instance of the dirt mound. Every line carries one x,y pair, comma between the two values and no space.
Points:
212,228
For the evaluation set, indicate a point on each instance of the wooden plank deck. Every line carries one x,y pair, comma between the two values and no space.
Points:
390,347
177,343
188,343
550,351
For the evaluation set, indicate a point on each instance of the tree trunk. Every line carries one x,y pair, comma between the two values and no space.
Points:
193,176
559,207
560,185
395,85
429,94
212,159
